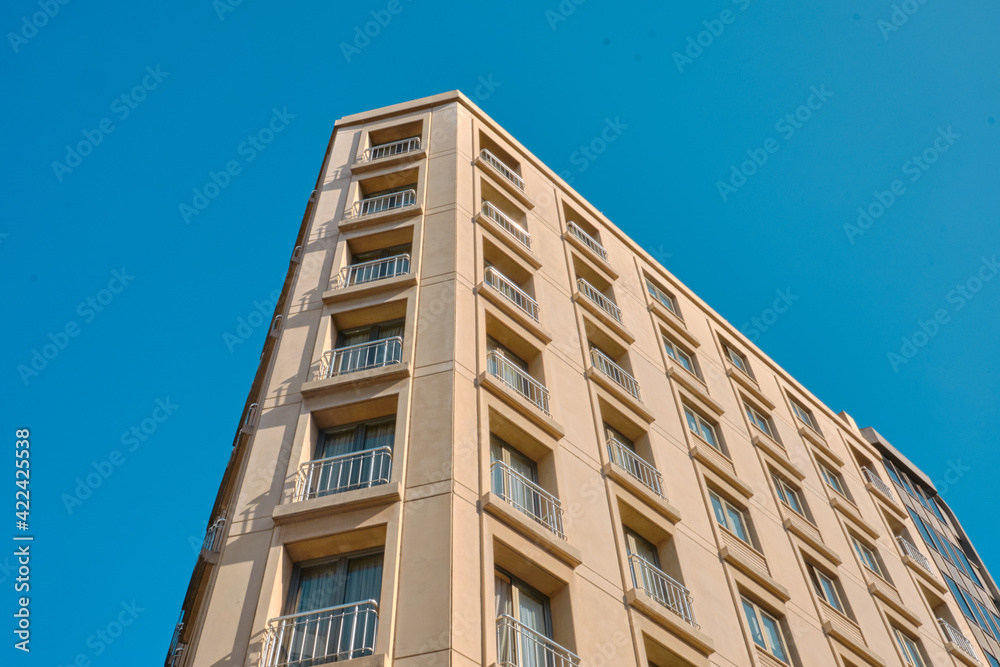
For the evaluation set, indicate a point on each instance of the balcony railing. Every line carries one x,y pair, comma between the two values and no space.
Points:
376,269
511,292
347,472
213,536
527,497
634,465
520,646
955,636
914,553
382,203
616,373
512,376
391,149
317,637
877,482
602,302
504,170
175,654
361,357
506,224
587,240
661,587
176,658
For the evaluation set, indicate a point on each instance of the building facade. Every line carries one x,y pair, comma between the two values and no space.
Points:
489,429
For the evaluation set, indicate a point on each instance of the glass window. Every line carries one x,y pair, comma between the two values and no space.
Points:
969,568
867,556
765,630
788,495
352,457
960,598
524,604
759,420
665,299
737,359
923,529
995,622
805,415
826,589
832,479
516,479
943,545
936,508
909,648
993,661
729,516
983,616
678,354
702,428
891,470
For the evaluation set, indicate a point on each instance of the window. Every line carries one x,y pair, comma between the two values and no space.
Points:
993,661
936,508
759,420
961,599
911,652
642,577
983,614
665,299
868,556
514,477
528,608
765,630
832,479
966,565
678,354
789,495
995,622
702,428
352,457
943,546
738,360
923,529
361,356
826,588
804,414
891,470
730,517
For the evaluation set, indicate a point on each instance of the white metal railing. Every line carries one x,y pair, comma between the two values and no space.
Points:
636,466
317,637
602,302
506,287
877,482
520,646
390,149
587,239
506,224
914,553
360,357
176,658
336,474
373,205
250,419
616,373
512,376
956,637
527,497
660,586
504,170
213,536
176,651
376,269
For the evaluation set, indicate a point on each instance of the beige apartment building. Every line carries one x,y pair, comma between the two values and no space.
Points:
489,429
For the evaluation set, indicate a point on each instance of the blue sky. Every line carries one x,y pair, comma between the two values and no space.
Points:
99,244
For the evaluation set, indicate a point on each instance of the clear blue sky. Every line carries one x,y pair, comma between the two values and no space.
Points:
887,95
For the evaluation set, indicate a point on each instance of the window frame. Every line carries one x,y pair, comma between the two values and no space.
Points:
826,588
519,587
804,414
910,648
784,488
722,508
675,351
738,359
827,474
656,292
756,417
868,556
689,415
760,614
343,563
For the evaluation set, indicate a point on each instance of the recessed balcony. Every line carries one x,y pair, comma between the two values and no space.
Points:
318,637
875,482
527,497
587,240
347,472
361,357
511,292
520,646
505,223
955,636
660,586
517,380
381,208
914,553
213,536
607,367
373,271
391,149
508,174
635,466
604,303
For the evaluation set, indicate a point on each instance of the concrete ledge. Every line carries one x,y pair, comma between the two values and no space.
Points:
777,453
623,396
886,501
498,233
820,443
896,603
641,491
367,289
383,494
523,405
348,224
531,529
959,654
674,323
498,179
926,576
617,328
599,263
693,384
734,559
852,645
377,660
514,312
388,162
342,382
670,621
850,510
749,385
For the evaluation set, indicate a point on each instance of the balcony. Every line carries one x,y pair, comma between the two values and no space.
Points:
514,294
213,536
587,240
615,373
517,380
661,587
527,497
505,171
914,553
390,150
382,204
604,303
347,472
369,272
635,466
361,357
512,229
958,639
875,484
317,637
520,646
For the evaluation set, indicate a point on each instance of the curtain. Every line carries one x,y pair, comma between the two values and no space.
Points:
332,476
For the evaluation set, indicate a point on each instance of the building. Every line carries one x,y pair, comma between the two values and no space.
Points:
489,429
